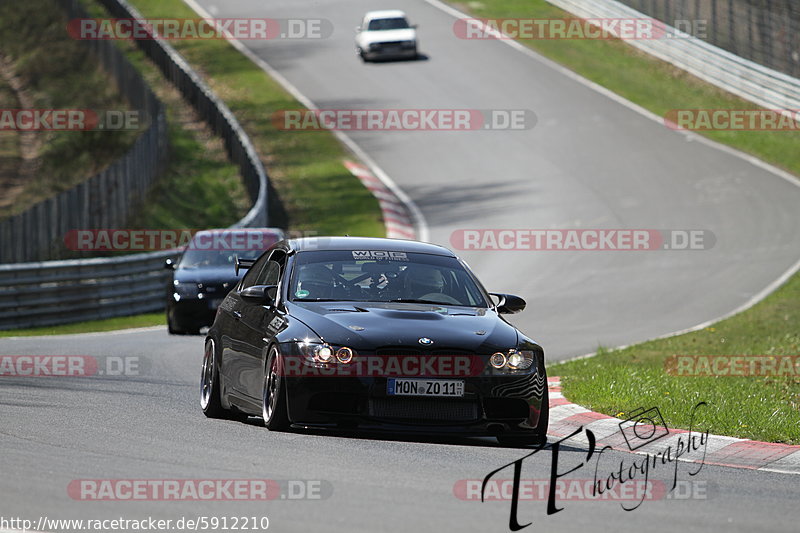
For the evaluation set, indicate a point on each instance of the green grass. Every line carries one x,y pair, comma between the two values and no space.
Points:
10,157
200,187
760,408
616,382
321,197
108,324
57,72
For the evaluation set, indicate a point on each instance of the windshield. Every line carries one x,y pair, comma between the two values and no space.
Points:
388,24
381,276
215,258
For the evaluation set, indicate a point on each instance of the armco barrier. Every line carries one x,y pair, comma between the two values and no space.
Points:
751,81
59,292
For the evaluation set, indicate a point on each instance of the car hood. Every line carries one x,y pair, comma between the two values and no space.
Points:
385,36
369,325
206,276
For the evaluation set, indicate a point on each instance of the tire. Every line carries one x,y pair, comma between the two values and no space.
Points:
210,389
171,328
274,409
535,438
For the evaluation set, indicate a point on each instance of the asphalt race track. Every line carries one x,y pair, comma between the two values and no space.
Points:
56,430
590,162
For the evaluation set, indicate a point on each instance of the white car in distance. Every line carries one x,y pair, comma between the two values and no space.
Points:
386,34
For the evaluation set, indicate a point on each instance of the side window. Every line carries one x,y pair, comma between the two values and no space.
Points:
271,273
254,272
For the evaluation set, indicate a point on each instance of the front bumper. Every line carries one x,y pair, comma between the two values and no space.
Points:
491,405
390,51
193,313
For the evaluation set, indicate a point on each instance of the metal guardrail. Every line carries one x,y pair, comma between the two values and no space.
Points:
742,77
60,292
764,31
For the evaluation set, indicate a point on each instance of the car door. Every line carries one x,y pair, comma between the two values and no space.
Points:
256,323
234,335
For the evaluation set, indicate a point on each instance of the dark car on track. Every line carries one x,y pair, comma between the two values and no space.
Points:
374,334
205,273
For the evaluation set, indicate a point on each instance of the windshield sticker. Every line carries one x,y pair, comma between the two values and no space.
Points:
380,255
301,293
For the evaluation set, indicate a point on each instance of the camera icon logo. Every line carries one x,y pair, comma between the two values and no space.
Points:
643,427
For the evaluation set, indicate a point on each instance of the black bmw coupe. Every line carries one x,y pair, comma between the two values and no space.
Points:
374,334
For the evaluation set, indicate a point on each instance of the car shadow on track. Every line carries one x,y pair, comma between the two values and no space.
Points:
449,440
384,61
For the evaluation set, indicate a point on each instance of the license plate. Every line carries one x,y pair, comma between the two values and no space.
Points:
425,387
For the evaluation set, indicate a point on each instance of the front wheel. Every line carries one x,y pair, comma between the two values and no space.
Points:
273,403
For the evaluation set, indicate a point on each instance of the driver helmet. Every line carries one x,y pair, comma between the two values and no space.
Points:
314,281
421,280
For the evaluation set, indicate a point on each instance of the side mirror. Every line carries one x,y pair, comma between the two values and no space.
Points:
260,294
415,26
169,264
358,29
508,303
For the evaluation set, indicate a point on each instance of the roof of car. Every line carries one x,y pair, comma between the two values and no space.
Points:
235,231
365,243
385,14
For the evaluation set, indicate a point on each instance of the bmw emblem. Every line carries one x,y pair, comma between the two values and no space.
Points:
425,341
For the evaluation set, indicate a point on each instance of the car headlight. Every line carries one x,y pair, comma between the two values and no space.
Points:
323,354
498,360
513,359
185,290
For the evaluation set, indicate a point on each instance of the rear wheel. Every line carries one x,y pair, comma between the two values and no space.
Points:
273,404
209,384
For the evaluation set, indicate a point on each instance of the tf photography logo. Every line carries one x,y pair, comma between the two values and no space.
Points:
611,475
